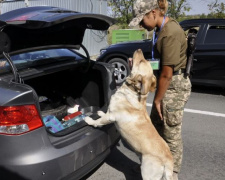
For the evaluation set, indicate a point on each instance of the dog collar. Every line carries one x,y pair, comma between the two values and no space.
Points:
133,88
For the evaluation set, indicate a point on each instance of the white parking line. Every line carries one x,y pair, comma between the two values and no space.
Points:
199,112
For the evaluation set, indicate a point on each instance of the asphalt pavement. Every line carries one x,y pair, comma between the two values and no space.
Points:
203,136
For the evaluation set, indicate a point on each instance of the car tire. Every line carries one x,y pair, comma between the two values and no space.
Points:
121,71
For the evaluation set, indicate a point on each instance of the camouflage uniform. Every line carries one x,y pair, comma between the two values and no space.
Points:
173,104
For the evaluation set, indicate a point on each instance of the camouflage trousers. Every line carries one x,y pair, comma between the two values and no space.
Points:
173,108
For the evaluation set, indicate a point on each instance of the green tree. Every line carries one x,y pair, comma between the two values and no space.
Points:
122,10
177,8
202,16
217,9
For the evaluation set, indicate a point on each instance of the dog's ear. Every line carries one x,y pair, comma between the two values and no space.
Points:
148,85
145,86
142,84
153,84
138,82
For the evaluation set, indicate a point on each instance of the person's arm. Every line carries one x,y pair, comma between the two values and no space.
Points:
163,84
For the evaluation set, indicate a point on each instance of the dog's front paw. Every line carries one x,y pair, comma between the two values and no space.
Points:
100,113
90,121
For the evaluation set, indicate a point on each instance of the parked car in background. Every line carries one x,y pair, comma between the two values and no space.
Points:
46,89
118,54
209,57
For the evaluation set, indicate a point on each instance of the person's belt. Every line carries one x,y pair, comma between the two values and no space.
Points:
178,72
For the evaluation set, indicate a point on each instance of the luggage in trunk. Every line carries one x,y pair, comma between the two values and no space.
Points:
59,92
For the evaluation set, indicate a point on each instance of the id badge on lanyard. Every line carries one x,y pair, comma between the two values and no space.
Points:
155,62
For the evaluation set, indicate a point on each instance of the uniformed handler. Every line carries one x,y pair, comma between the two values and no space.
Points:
173,89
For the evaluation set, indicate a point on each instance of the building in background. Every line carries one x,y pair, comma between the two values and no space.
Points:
93,40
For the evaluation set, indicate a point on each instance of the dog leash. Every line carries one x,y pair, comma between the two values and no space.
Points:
155,38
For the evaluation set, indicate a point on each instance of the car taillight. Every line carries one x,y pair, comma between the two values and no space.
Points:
22,17
19,119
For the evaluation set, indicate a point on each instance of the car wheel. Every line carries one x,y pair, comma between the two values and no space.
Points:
122,70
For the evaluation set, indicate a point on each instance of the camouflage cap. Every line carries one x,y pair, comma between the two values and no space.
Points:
142,7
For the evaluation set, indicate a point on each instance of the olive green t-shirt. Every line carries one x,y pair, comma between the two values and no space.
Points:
171,45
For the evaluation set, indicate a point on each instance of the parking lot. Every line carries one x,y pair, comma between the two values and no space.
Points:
48,84
203,135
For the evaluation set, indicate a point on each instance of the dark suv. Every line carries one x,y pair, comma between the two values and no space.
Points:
46,89
209,55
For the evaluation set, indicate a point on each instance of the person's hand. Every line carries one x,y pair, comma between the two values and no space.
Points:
2,63
130,62
158,107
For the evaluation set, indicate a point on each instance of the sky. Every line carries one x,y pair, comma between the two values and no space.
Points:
199,6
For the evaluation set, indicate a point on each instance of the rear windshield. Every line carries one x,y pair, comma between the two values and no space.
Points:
40,57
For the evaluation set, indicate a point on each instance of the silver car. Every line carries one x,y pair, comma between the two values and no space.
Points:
46,89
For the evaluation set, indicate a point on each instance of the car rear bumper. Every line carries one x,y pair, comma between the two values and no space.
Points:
71,158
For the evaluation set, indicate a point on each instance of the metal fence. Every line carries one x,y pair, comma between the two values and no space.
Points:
93,40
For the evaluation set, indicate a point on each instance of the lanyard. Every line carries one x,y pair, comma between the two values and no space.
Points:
155,38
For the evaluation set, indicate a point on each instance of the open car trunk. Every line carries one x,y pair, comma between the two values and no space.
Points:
37,44
62,90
